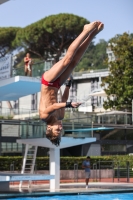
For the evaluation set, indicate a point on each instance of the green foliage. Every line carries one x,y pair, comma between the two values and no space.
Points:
7,35
120,80
51,34
6,117
94,58
66,163
55,33
5,163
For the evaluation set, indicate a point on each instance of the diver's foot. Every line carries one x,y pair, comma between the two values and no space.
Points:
100,27
91,26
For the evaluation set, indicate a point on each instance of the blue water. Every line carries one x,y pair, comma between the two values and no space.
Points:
116,196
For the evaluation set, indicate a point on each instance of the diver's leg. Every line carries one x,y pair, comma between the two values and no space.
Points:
80,52
61,66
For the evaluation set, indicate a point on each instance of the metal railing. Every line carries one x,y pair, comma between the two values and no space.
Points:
86,117
84,73
37,70
114,170
18,113
71,116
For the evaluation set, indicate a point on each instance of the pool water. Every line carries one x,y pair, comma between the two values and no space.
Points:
116,196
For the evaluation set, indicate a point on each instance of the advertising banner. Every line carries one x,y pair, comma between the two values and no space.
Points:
5,67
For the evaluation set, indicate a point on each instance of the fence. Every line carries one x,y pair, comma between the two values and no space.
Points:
100,172
73,116
37,70
113,172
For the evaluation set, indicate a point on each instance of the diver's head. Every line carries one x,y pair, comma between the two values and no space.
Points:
53,132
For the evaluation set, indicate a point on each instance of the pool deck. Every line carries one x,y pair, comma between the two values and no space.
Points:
66,189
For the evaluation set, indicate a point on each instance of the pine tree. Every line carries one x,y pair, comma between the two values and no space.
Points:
120,80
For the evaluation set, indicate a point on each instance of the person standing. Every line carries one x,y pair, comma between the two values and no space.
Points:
28,65
86,166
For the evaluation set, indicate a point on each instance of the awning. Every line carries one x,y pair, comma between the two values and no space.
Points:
98,93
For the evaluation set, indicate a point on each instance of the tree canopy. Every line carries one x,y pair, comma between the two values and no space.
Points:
120,80
7,35
52,34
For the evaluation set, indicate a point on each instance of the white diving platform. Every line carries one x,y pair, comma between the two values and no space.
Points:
19,86
65,142
54,153
5,178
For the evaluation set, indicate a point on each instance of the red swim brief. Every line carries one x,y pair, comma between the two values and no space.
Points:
55,83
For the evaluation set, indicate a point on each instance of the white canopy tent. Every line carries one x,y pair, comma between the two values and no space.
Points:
98,92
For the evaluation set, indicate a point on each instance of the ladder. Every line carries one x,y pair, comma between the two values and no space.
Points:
28,161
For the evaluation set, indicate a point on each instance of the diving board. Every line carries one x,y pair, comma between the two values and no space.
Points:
89,129
19,86
6,178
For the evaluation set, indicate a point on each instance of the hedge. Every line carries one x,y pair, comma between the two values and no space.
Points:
67,163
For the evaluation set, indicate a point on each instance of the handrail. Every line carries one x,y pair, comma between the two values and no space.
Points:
38,69
89,72
75,116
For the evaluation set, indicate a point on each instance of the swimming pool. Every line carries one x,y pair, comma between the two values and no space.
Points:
116,196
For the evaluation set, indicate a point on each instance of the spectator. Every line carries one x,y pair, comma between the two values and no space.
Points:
86,167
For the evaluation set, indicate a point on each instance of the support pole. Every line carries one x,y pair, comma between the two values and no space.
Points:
24,163
54,168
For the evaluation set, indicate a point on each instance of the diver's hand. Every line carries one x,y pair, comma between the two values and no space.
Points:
75,104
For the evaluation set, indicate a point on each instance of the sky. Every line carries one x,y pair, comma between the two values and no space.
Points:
117,15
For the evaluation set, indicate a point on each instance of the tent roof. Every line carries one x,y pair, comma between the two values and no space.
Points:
98,92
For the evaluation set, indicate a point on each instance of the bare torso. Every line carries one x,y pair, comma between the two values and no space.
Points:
48,97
